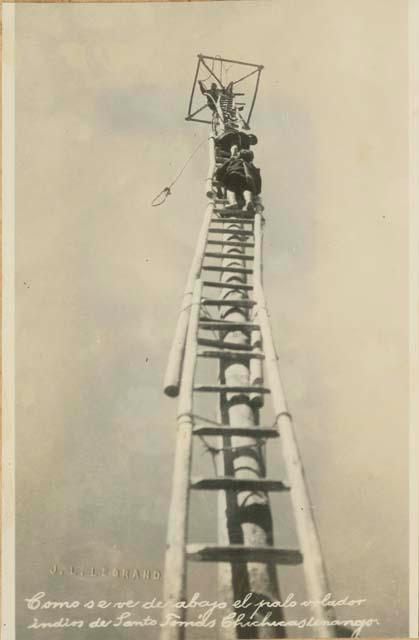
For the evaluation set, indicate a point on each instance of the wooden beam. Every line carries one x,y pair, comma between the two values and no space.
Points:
240,553
225,303
175,564
243,515
252,106
228,285
246,76
226,483
174,365
229,430
314,569
193,89
225,325
225,354
230,388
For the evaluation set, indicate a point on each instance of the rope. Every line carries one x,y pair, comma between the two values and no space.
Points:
212,68
214,451
166,192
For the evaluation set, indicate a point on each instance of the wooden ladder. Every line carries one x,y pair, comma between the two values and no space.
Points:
228,260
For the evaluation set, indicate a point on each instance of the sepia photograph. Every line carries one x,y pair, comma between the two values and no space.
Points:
206,418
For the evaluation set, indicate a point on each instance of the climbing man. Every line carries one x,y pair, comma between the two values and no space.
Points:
225,140
212,94
241,179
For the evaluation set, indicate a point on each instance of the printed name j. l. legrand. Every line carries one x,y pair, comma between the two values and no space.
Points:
130,573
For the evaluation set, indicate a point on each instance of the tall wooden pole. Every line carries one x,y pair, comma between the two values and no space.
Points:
244,517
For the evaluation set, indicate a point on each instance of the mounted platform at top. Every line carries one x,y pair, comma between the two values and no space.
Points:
214,92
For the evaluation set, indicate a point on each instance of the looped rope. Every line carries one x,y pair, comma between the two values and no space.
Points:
218,57
164,194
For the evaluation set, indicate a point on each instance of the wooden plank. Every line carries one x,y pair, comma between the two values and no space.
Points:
228,430
232,243
216,254
225,388
174,364
232,232
228,285
237,553
230,355
315,574
175,562
242,270
215,302
226,325
227,483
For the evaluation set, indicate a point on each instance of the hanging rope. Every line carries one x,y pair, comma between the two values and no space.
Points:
227,69
218,59
212,67
221,68
166,192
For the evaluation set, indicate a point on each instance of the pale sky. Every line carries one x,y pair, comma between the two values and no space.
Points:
101,95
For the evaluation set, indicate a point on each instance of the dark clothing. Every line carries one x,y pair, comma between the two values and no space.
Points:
222,155
240,138
210,94
238,175
236,182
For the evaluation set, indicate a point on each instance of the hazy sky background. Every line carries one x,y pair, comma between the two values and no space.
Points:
101,94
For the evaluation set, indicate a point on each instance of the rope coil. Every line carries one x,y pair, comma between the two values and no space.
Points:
164,194
167,191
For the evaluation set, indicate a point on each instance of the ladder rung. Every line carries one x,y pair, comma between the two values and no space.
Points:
231,355
231,243
232,232
229,219
226,325
242,553
206,342
216,254
229,483
227,269
228,285
226,388
211,302
228,430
